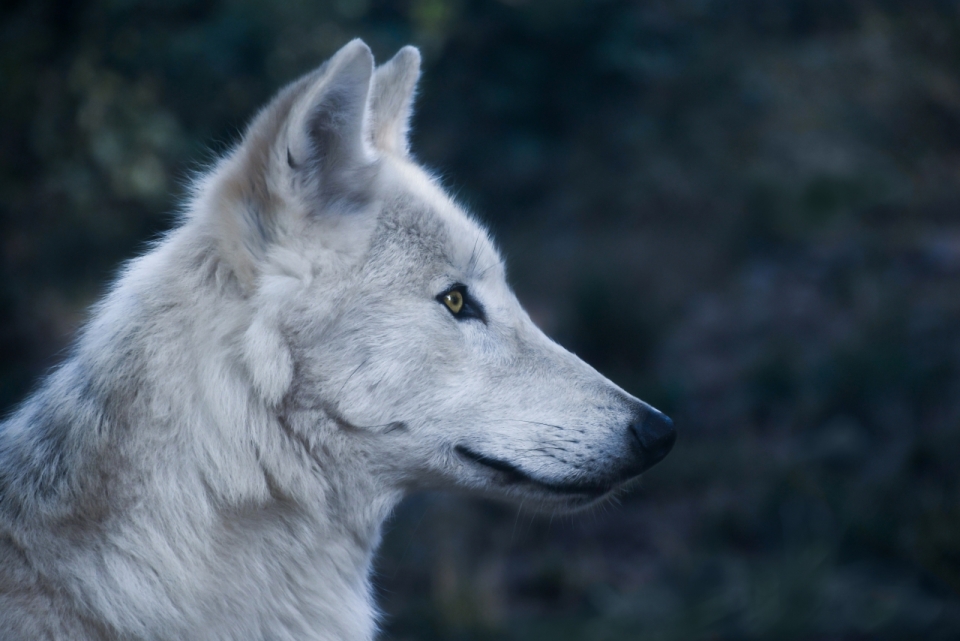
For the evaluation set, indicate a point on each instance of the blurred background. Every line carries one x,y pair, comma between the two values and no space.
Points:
743,211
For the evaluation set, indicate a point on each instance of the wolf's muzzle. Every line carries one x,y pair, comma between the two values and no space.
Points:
654,437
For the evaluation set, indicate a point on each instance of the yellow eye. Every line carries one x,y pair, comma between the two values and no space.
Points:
454,301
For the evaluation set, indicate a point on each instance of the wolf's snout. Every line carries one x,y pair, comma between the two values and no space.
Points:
655,436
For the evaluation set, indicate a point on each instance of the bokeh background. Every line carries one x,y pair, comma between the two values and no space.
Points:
744,211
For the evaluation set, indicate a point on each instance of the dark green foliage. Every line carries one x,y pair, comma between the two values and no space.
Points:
745,212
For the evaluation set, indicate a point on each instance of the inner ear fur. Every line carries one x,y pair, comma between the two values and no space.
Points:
327,131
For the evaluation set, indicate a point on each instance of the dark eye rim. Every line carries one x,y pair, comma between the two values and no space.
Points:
471,306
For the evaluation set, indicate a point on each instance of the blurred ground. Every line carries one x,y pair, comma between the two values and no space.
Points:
743,211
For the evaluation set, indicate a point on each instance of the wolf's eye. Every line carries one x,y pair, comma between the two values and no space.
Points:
454,301
461,304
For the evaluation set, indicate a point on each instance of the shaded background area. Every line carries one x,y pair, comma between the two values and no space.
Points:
744,211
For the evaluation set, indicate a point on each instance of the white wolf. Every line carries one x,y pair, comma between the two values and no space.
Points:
324,332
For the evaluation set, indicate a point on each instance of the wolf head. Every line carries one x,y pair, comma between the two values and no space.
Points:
380,317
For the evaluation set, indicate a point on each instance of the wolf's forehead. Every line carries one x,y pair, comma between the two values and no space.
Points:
445,238
467,244
436,230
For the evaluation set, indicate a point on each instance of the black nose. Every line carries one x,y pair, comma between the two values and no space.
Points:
655,436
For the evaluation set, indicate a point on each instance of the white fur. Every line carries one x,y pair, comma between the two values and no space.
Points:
256,394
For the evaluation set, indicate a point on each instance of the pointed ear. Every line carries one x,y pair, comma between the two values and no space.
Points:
307,156
391,100
328,127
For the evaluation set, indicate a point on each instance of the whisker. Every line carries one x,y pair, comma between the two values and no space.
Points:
559,427
513,533
491,266
473,254
520,420
393,425
342,387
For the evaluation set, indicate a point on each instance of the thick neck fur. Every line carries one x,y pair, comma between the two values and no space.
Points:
146,486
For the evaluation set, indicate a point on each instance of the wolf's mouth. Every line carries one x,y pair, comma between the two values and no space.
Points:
514,475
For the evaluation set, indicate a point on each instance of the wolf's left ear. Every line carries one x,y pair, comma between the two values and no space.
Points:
391,100
327,129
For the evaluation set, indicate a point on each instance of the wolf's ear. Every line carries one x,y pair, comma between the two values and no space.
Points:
307,156
391,100
327,129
